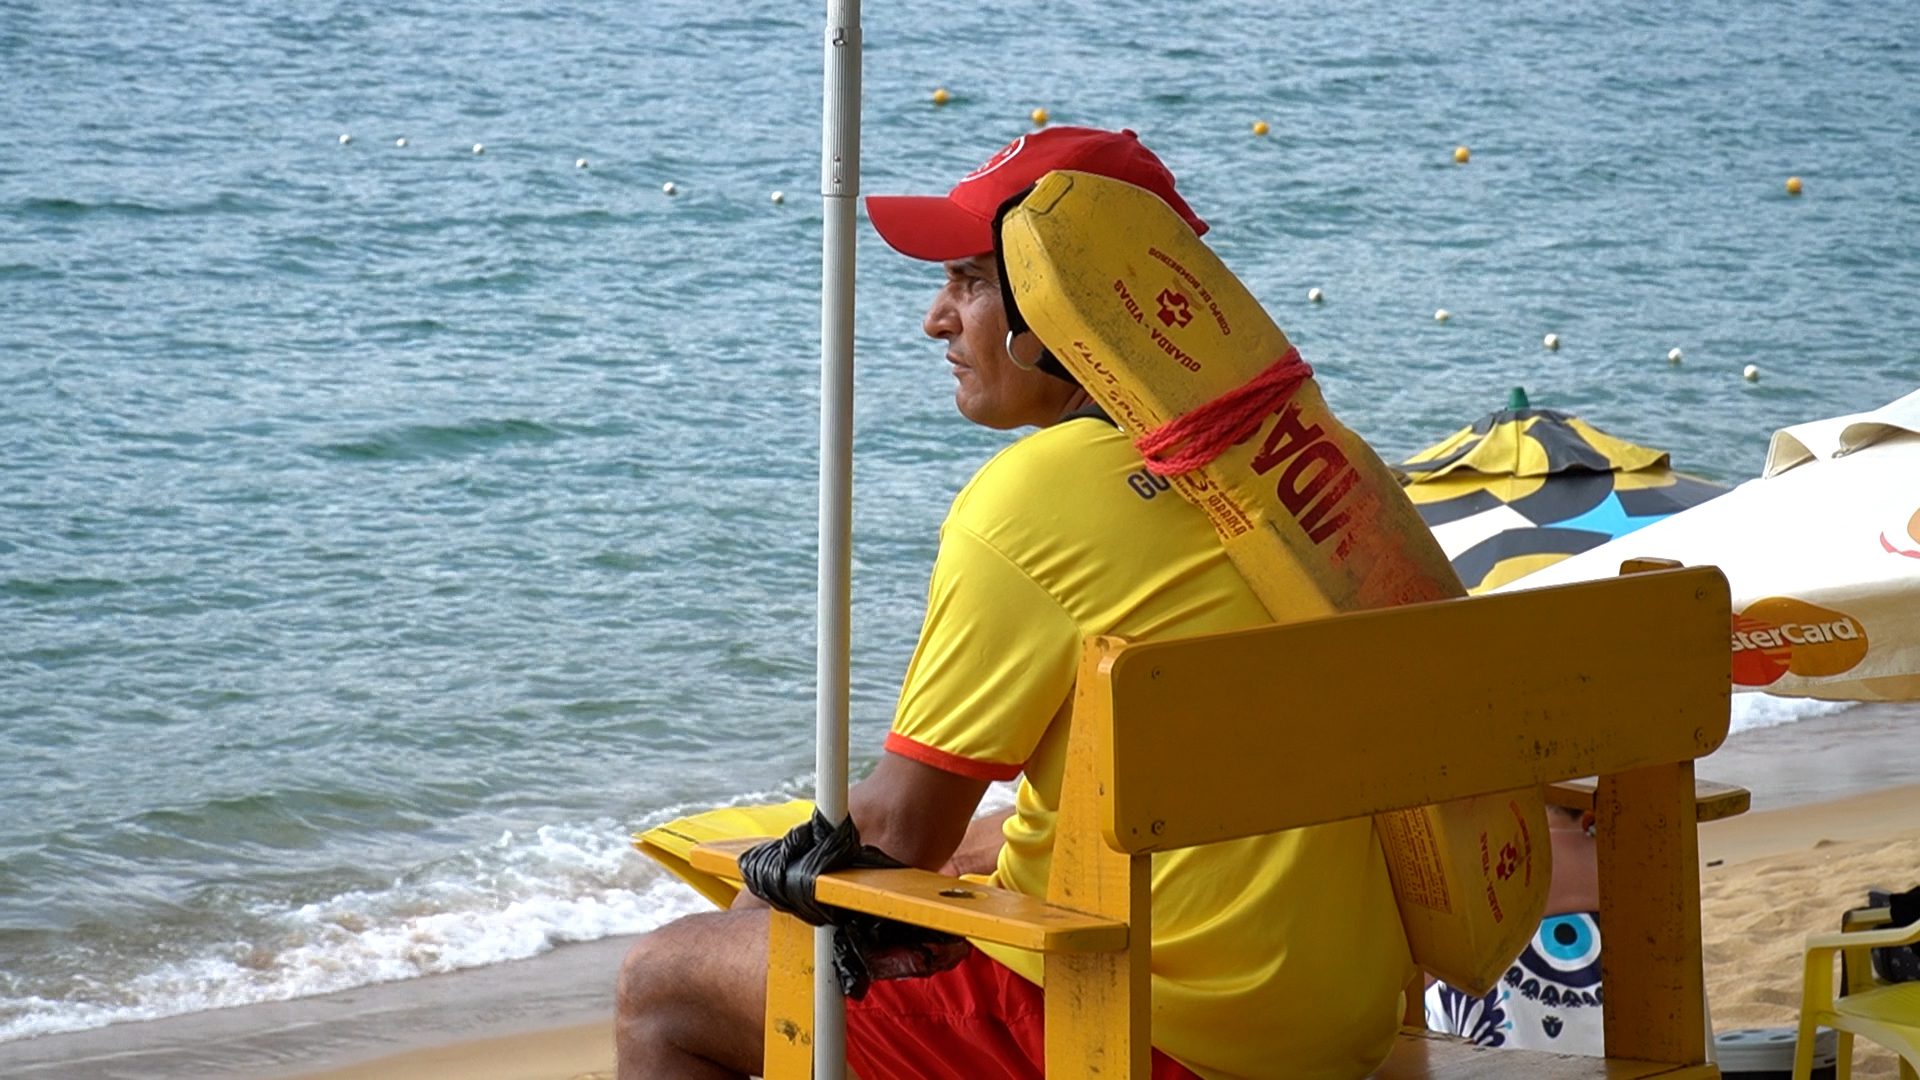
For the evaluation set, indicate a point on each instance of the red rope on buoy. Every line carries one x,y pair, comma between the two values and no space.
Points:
1192,441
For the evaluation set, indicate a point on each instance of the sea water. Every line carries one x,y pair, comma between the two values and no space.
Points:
388,530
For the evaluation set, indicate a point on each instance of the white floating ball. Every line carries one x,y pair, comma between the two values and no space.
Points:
580,164
1551,341
1751,373
1673,356
1442,315
401,141
778,197
669,188
345,139
1314,296
479,148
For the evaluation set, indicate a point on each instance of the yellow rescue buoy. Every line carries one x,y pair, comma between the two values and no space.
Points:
1461,155
1793,185
1751,373
1039,117
1674,355
1259,127
940,95
1551,341
1442,315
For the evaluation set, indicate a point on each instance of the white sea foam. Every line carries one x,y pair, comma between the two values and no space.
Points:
1751,712
514,899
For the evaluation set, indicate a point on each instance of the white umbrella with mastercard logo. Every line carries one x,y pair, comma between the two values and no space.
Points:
1822,551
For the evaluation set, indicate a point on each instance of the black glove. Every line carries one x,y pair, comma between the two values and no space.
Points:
865,947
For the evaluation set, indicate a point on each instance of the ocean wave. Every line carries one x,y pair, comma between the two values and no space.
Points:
73,208
1751,712
61,588
492,282
406,329
416,441
516,898
28,272
67,209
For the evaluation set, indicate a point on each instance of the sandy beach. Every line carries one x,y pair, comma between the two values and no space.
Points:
1783,874
1832,819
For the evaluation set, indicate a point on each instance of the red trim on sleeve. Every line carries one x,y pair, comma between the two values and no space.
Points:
940,759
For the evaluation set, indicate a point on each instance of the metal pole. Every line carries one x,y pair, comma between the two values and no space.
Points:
839,191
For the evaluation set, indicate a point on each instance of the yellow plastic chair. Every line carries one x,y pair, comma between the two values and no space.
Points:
1625,679
1887,1013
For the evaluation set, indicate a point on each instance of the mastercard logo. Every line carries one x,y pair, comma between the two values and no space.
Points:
1779,635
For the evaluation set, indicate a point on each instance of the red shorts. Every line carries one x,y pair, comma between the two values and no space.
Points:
977,1021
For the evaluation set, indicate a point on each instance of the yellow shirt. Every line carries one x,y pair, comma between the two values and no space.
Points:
1274,956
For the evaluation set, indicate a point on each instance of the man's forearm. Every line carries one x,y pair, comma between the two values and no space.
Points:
914,812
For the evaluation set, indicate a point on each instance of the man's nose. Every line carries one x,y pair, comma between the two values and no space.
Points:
943,320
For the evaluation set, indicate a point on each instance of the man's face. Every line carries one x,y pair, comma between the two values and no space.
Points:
970,317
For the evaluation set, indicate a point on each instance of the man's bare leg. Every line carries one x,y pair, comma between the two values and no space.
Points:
691,999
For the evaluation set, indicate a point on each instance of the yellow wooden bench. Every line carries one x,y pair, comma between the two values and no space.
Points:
1626,680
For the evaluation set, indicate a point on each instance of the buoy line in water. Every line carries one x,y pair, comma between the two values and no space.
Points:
1040,117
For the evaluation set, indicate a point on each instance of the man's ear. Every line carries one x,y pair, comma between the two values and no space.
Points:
1025,349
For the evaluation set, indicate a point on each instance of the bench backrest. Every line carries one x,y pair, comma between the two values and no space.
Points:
1400,707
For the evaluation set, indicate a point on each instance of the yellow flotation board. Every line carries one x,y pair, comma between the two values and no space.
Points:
672,844
1153,325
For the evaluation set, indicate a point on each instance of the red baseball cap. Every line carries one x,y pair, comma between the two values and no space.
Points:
959,224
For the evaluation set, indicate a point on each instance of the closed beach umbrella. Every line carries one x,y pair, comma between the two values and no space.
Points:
839,196
1822,551
1525,488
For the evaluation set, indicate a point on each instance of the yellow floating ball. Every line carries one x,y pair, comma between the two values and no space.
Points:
1259,127
1039,117
1793,185
940,95
1461,155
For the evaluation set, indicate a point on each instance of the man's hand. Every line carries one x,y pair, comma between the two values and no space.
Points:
979,850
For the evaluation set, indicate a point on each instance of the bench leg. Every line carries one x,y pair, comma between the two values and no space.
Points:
1650,913
789,1032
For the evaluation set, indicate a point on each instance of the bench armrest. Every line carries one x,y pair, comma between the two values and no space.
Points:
1711,801
938,902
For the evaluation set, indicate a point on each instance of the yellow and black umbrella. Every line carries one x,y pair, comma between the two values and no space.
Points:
1524,488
